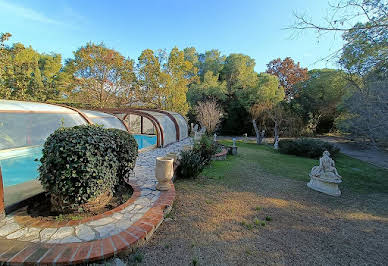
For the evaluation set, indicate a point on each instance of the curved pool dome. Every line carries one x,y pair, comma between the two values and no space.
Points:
24,127
169,127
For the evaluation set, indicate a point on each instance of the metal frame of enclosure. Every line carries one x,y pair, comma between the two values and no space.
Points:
28,124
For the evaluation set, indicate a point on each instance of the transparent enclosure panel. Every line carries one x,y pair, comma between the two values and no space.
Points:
33,107
148,127
183,126
134,123
167,125
20,165
30,129
144,141
104,119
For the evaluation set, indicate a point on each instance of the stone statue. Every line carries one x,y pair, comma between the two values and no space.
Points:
245,135
234,142
215,137
195,128
325,177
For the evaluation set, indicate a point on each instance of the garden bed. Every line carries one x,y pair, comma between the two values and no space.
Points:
40,207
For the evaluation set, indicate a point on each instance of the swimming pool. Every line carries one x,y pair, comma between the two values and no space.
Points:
21,165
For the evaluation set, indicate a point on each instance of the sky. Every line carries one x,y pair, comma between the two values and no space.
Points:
255,28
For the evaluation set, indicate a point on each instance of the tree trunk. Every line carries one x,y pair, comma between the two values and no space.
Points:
258,135
276,136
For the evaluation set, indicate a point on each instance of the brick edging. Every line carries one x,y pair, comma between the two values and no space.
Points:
20,252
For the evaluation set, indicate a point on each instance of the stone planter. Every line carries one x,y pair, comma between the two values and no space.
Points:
232,150
173,155
164,171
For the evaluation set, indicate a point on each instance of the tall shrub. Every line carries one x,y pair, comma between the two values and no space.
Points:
82,163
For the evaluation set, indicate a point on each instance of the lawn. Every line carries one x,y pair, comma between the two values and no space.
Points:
357,175
255,209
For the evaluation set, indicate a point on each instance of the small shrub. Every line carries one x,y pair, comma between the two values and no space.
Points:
84,164
191,164
310,148
268,218
206,148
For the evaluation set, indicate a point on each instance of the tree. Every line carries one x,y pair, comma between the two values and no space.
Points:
288,74
239,72
367,112
319,98
98,74
209,88
27,75
150,93
364,57
180,74
261,97
210,61
209,115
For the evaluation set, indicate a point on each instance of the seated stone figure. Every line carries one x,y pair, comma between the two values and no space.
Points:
326,169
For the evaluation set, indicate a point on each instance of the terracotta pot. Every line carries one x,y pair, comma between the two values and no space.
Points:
164,171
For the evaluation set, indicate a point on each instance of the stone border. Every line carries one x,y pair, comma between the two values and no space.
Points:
221,155
15,252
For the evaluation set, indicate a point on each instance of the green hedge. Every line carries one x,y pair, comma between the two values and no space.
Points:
83,162
310,148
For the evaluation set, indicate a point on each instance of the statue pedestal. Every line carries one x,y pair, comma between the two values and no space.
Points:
326,186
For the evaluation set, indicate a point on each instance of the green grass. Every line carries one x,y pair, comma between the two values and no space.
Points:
357,175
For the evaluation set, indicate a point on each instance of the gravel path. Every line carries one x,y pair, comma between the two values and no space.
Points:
218,222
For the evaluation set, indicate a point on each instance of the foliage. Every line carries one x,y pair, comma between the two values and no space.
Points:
209,115
98,75
367,113
164,82
364,56
206,148
238,72
26,74
209,88
311,148
191,164
319,98
288,73
258,99
83,162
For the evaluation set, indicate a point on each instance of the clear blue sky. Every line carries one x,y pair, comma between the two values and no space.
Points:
252,27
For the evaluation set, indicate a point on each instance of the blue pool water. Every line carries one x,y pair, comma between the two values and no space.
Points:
21,165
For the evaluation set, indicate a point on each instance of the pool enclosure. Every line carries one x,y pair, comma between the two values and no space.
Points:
24,127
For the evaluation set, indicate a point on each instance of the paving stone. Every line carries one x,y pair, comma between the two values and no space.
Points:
33,233
124,224
18,233
62,232
102,221
9,228
117,216
85,233
46,233
107,230
9,219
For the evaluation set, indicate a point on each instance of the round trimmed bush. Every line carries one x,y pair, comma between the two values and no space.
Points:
81,164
